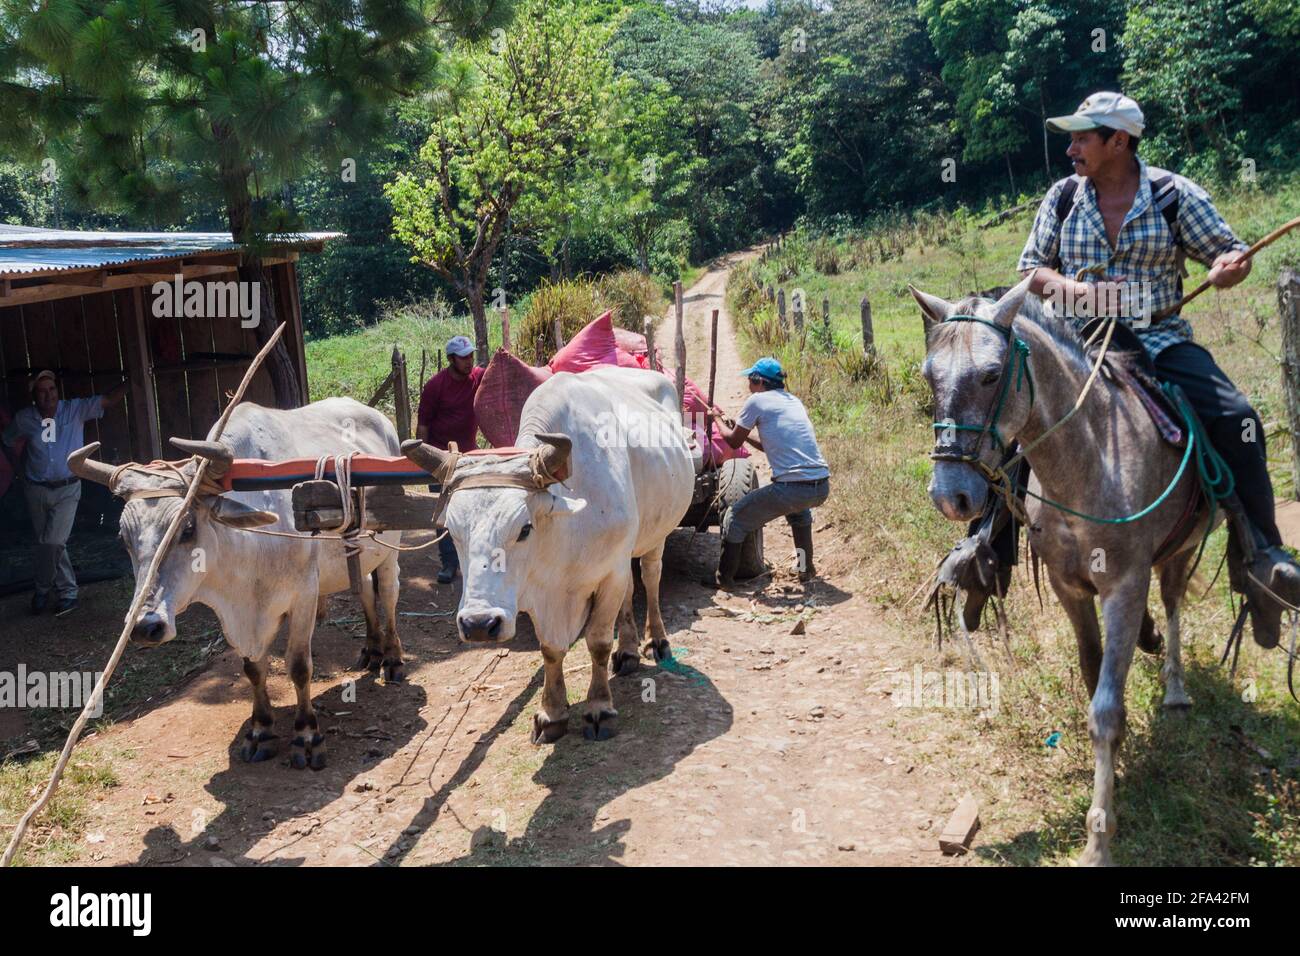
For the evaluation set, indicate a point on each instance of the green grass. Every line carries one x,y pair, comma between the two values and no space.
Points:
57,834
1192,790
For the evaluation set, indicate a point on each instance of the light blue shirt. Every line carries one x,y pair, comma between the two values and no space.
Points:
786,434
51,441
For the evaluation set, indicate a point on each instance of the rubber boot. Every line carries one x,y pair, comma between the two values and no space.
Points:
803,542
728,565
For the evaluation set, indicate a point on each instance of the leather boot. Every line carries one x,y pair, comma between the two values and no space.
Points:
728,565
1256,568
803,542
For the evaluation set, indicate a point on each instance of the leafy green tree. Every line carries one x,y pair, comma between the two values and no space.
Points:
525,113
854,111
1182,62
152,107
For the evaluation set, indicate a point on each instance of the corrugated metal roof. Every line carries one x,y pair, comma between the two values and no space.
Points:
26,250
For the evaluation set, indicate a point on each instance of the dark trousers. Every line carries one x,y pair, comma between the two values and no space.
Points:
1233,427
447,552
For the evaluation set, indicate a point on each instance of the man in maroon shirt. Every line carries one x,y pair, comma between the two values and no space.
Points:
446,415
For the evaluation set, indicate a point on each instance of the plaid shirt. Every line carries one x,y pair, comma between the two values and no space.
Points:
1145,252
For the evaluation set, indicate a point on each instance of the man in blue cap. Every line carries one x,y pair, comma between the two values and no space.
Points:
800,478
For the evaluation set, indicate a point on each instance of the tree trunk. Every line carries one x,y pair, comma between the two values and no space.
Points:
1042,116
474,296
1011,176
239,213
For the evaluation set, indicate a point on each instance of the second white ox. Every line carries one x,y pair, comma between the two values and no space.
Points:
566,559
256,583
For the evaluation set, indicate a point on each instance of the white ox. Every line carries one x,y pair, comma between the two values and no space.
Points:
566,560
255,582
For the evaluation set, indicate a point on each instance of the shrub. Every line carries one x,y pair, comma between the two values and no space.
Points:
632,295
575,302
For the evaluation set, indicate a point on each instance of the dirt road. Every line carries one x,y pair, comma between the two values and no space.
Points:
753,746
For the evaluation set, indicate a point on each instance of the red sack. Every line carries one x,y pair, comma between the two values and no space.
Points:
499,401
593,346
627,360
695,410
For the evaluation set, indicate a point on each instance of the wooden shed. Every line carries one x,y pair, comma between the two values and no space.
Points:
84,305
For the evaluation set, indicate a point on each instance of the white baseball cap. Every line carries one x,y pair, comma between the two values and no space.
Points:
459,345
1114,110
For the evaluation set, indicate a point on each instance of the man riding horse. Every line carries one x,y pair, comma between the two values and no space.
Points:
1109,240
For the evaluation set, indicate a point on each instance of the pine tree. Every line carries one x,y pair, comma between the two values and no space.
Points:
152,108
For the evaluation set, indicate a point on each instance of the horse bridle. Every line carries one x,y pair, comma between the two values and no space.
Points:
1014,364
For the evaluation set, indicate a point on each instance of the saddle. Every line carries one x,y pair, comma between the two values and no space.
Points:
1128,363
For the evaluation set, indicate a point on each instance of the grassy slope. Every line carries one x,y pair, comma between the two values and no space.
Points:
1191,792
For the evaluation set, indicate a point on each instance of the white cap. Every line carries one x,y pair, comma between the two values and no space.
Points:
1114,110
459,345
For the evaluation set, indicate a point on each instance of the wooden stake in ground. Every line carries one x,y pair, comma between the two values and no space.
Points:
679,342
1288,307
713,367
151,575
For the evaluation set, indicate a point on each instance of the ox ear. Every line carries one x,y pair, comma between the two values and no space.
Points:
236,514
1008,307
933,309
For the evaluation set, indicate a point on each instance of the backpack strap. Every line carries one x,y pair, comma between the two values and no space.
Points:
1064,203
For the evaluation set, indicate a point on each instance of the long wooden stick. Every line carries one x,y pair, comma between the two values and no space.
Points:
713,369
97,696
1268,240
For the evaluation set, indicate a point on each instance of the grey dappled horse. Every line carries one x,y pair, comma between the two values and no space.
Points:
1013,367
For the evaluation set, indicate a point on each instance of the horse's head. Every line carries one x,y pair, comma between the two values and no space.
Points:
981,401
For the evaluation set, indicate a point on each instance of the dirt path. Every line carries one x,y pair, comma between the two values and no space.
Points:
753,746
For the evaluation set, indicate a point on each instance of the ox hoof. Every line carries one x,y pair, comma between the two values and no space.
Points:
393,672
308,754
600,725
660,650
548,731
257,747
369,659
625,663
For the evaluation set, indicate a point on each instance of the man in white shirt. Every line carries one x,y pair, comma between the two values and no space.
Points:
54,428
800,477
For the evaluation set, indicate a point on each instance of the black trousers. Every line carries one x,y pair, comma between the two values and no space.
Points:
1233,427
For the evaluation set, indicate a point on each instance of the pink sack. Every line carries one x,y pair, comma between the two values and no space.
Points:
627,359
593,346
630,341
500,398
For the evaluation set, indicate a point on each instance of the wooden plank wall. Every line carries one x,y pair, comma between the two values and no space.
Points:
91,339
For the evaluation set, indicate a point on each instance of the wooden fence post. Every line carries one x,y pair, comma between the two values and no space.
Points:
1288,306
505,328
541,350
679,342
780,307
868,335
401,395
797,302
826,317
559,336
649,326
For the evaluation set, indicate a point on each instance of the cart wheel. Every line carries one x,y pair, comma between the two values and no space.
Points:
736,478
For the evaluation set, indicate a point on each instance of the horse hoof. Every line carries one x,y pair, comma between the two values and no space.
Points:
625,663
548,732
600,726
393,672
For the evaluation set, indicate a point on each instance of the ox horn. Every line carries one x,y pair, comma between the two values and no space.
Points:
83,466
425,455
218,455
555,454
